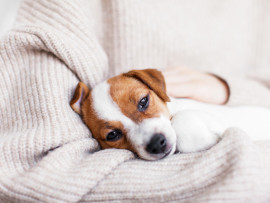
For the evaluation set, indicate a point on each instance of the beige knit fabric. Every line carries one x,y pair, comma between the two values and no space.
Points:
46,152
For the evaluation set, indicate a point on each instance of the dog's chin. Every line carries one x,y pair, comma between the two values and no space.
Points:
153,157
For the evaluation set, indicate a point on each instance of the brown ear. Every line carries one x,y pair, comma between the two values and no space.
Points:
79,96
153,79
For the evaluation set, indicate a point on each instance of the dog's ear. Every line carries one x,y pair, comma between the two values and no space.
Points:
79,96
153,79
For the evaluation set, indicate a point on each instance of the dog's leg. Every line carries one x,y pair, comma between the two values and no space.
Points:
196,130
253,120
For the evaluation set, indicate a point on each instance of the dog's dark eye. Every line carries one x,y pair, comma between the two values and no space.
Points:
114,135
143,104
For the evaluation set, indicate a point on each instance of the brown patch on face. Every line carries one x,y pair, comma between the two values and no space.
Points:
127,92
100,128
153,79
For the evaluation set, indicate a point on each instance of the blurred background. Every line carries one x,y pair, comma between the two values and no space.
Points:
8,10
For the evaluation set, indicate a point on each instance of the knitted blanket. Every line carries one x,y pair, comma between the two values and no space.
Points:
48,155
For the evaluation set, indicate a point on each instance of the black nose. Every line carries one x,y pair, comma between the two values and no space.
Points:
157,144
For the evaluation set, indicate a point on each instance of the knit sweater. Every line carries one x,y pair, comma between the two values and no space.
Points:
47,154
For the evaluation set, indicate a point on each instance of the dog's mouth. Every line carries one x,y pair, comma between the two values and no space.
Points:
168,152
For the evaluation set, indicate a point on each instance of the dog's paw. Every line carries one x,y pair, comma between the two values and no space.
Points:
196,130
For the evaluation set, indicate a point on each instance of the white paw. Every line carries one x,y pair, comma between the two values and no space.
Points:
196,130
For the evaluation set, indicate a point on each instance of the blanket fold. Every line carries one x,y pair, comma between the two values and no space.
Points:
233,170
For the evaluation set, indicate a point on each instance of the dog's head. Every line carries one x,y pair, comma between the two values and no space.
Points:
129,111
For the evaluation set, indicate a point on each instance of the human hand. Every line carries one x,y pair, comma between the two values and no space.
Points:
188,83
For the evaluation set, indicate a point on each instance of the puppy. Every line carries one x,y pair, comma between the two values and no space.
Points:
132,111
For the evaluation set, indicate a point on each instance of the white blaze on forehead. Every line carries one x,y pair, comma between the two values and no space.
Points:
106,108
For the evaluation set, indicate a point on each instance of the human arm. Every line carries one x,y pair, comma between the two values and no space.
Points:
220,87
188,83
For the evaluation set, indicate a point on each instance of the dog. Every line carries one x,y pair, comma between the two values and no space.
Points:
132,111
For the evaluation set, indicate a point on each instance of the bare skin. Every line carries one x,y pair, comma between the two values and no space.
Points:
187,83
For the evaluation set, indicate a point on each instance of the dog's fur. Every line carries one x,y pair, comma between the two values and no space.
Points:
113,112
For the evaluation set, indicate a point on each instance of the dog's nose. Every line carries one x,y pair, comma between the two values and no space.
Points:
157,144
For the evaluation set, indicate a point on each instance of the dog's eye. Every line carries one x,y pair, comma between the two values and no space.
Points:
114,135
143,103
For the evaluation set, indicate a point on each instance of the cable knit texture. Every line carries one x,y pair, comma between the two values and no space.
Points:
47,153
